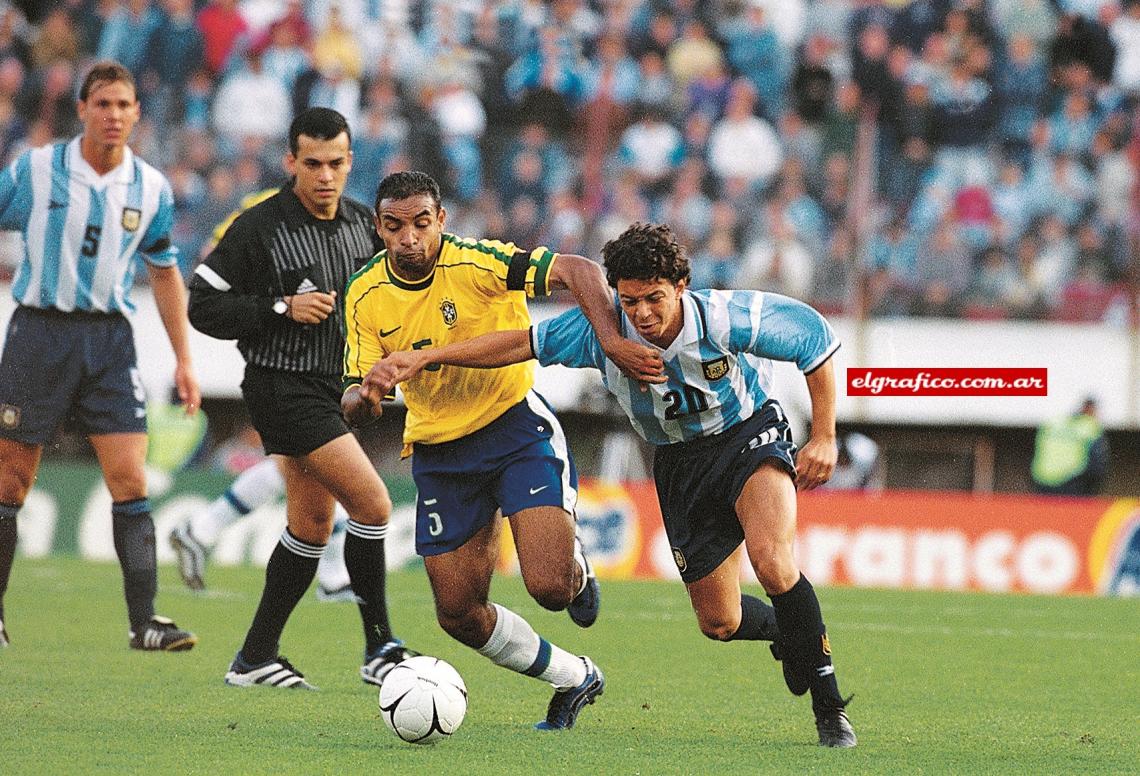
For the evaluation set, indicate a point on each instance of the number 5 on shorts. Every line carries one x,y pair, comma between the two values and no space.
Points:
435,528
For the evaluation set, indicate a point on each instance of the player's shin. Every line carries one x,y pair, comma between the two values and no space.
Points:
364,557
805,647
288,574
757,621
515,645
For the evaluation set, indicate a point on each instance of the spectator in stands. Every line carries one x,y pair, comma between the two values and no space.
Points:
754,50
657,87
837,274
943,271
1071,455
57,39
743,145
686,207
651,149
222,28
1021,86
1072,126
1125,34
173,53
126,35
250,103
813,83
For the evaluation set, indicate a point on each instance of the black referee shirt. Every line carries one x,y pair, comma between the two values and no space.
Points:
278,248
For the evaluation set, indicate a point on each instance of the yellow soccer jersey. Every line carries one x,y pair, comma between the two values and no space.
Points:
477,286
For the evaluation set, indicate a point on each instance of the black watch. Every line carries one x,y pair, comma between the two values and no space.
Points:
280,306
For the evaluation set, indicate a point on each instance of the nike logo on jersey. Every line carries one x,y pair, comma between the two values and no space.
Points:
307,287
390,331
536,490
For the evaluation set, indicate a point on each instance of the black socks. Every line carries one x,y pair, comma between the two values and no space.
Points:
806,651
133,532
364,557
288,574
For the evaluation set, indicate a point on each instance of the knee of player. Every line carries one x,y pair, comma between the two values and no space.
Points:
716,627
551,592
461,624
776,574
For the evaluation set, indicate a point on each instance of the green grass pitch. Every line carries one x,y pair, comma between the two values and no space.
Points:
944,683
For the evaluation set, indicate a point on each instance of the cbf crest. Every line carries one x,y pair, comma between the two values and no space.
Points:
715,369
450,314
131,219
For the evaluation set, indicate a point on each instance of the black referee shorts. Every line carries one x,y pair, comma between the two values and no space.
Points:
294,412
699,481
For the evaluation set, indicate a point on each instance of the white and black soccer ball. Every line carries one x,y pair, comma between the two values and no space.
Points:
423,699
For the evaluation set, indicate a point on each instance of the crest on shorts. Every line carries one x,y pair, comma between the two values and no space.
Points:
715,369
450,314
679,559
131,219
9,415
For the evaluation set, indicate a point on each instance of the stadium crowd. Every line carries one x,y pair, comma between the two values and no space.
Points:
975,158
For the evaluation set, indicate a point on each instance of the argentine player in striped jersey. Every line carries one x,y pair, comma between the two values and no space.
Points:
91,213
725,467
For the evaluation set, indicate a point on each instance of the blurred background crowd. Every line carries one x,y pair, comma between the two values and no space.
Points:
975,158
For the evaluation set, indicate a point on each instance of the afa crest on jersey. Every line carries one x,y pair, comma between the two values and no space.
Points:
450,314
131,219
715,369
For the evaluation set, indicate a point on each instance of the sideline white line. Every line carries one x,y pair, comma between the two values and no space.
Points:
945,630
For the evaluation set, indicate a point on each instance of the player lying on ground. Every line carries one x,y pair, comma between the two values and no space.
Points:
725,467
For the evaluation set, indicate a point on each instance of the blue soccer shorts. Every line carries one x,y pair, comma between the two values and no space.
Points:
517,461
77,366
699,481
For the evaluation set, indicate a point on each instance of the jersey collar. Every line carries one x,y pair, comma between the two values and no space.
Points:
84,172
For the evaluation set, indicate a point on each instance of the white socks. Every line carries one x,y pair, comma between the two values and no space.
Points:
515,645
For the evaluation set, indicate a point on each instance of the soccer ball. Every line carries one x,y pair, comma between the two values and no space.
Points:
423,699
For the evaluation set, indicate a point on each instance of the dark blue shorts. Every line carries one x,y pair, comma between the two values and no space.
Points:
77,366
517,461
699,481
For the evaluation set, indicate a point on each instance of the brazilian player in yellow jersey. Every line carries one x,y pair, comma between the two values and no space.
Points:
482,441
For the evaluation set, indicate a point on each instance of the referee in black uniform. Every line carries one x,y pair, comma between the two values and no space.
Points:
272,284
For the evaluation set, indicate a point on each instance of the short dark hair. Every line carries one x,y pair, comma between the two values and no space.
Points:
645,252
407,183
319,124
105,71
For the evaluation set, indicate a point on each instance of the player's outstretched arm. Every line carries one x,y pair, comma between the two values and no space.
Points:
500,348
587,282
815,461
170,298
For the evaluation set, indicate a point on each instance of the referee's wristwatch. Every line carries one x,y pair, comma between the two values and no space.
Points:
280,306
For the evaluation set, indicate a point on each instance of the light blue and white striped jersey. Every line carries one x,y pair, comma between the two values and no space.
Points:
83,231
719,368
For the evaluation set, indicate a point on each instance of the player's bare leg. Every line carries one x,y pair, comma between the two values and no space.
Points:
723,613
461,581
767,511
346,473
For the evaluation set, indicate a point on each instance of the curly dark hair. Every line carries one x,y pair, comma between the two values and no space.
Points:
404,184
645,252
